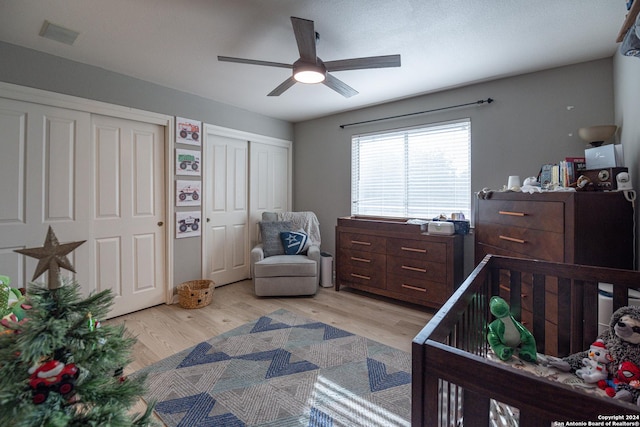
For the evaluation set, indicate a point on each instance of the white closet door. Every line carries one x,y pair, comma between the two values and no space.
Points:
128,206
226,237
270,181
90,178
45,168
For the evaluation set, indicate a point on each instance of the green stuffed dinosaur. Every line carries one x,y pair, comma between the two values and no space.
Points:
8,295
506,334
12,303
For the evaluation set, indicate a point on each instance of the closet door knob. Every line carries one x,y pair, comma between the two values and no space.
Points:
160,223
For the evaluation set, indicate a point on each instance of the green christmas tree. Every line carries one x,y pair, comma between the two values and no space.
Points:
60,366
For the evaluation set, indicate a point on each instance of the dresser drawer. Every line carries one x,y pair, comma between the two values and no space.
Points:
365,268
545,216
362,242
531,243
417,269
419,290
417,249
526,296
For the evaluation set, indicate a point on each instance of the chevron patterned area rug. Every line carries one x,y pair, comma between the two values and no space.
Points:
283,370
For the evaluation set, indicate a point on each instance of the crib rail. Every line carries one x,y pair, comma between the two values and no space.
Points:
453,380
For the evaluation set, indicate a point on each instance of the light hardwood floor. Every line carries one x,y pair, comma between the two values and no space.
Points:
167,329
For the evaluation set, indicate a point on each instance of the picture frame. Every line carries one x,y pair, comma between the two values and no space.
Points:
188,131
188,224
188,193
188,162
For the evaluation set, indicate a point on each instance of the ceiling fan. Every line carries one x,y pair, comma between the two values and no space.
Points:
311,69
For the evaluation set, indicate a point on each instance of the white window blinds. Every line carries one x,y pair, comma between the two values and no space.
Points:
415,173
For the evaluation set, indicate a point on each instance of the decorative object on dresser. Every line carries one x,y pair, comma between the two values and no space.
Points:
588,228
597,135
396,259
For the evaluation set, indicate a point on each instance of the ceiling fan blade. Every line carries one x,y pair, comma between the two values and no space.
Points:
283,86
254,62
385,61
339,86
306,38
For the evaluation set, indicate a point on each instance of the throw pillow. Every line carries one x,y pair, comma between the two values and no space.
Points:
271,242
294,242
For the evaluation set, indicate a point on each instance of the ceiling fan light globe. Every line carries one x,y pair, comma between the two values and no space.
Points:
309,76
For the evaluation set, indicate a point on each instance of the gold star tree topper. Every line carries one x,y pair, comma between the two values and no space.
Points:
52,256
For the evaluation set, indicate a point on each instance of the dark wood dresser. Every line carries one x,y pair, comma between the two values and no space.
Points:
589,228
397,260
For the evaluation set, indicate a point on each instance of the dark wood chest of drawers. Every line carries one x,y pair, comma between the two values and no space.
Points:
589,228
395,259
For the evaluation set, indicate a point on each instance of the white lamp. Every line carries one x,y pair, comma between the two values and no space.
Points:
597,135
306,72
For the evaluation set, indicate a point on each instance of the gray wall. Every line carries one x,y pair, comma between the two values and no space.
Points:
627,115
528,124
30,68
533,120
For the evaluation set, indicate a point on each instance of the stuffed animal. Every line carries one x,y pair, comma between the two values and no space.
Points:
596,365
8,295
506,334
625,384
13,305
622,340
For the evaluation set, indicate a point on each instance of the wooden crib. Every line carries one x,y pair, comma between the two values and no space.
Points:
454,383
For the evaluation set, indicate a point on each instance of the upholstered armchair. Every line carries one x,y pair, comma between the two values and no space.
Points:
290,267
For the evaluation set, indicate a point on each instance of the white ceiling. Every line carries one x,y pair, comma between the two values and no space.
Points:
443,43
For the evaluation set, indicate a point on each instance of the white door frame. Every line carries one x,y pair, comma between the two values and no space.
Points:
39,96
250,137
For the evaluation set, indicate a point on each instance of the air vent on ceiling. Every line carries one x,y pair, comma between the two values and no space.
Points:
58,33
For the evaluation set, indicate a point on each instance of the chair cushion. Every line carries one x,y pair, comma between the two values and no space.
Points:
285,266
271,242
294,242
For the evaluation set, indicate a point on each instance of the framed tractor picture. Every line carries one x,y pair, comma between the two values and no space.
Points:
188,162
188,131
188,193
188,224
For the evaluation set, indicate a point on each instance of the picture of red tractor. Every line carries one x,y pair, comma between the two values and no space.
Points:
188,192
188,129
52,376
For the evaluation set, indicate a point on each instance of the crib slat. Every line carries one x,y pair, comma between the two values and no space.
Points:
539,294
476,407
590,314
515,294
532,419
577,316
564,317
620,297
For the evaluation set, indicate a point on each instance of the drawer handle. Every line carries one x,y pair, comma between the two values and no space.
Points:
414,288
357,242
512,239
407,267
511,213
360,276
360,259
422,251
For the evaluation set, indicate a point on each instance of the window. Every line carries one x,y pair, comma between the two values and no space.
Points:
413,173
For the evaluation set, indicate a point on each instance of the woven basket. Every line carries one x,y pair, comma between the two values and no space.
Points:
195,293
